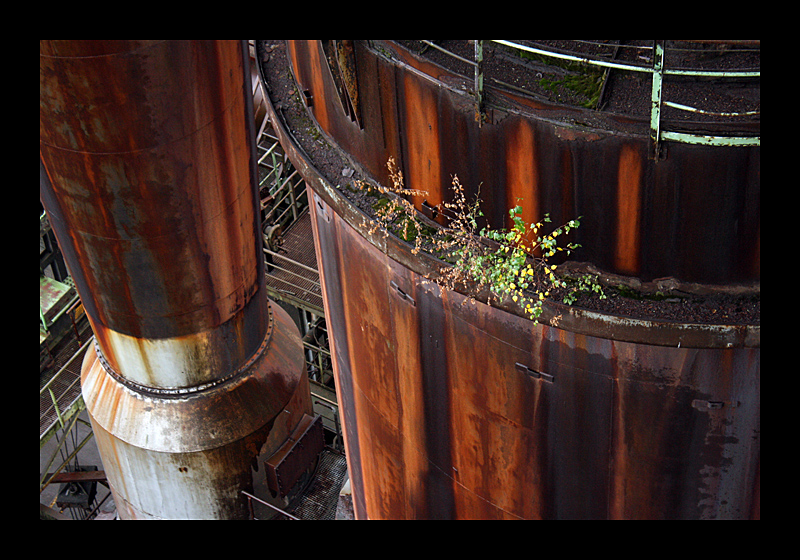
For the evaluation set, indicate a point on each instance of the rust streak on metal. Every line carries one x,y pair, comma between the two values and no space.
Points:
522,172
178,272
423,162
627,250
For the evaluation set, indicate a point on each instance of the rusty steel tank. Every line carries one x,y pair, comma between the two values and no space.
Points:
456,409
148,175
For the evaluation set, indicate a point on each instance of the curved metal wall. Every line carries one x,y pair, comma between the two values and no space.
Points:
457,410
453,409
694,215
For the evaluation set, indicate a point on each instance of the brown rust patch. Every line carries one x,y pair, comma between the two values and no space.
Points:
128,194
522,176
422,141
571,134
629,193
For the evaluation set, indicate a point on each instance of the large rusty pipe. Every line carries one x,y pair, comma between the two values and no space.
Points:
148,175
152,184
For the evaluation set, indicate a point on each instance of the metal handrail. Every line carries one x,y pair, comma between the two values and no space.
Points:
658,72
46,388
250,499
295,263
64,367
563,56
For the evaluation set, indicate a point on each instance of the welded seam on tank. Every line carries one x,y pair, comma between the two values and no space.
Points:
116,53
474,493
550,360
215,118
185,391
223,212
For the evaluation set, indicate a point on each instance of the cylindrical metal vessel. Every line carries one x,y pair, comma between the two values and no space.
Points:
654,219
455,409
148,175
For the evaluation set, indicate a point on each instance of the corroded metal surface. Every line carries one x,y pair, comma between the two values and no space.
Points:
173,261
147,172
670,217
455,409
187,457
183,422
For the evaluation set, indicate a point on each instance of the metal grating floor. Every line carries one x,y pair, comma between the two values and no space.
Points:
318,502
66,386
293,274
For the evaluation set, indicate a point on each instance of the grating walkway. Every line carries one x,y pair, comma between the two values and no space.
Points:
318,502
60,388
292,273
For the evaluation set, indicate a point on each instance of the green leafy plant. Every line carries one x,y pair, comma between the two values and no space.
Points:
393,212
508,266
586,283
510,263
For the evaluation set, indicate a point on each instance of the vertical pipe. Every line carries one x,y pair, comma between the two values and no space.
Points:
655,97
147,157
479,81
148,175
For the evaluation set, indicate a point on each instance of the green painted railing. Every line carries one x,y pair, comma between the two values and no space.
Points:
657,134
658,71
